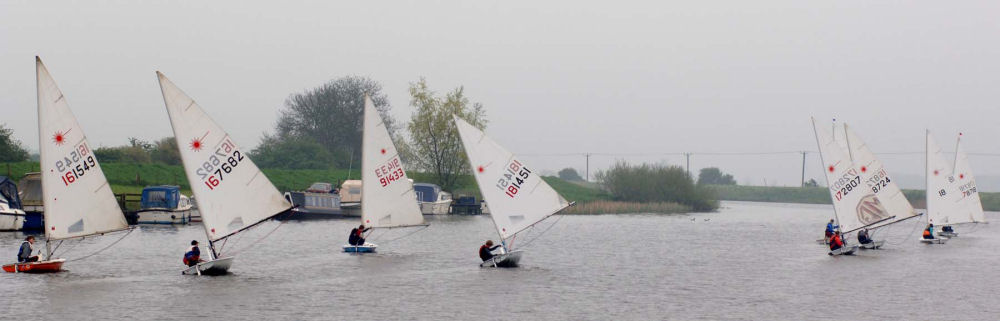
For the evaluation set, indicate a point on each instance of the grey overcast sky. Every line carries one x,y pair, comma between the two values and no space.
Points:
636,80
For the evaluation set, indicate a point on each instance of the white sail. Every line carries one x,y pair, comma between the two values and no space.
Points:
78,200
233,194
518,197
854,205
388,197
878,180
942,196
967,192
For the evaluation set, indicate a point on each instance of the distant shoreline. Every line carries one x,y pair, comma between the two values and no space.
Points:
819,195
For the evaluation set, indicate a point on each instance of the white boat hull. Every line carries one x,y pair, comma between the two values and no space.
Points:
213,267
366,248
436,208
846,250
11,221
948,234
874,245
164,217
940,240
503,260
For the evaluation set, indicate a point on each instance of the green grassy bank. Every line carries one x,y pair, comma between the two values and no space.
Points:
131,178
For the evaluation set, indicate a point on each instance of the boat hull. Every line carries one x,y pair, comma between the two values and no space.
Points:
846,250
948,234
503,260
50,266
367,248
940,240
436,208
213,267
12,221
874,245
164,217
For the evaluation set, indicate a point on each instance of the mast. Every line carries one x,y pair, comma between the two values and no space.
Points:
927,173
822,161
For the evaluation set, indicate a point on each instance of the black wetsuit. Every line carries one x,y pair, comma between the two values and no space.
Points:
486,253
355,238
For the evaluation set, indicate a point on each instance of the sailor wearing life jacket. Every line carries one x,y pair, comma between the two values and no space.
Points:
193,255
24,253
929,232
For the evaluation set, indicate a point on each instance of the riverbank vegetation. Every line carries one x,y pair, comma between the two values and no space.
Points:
655,183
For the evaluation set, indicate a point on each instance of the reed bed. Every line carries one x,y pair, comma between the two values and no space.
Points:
617,207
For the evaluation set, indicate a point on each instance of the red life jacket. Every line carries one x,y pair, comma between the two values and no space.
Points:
836,240
927,232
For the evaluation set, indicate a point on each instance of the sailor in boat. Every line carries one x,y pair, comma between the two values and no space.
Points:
486,251
830,228
947,229
863,237
193,256
24,254
357,235
835,241
929,232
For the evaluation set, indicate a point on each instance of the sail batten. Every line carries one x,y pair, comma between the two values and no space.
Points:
232,195
387,196
518,198
78,200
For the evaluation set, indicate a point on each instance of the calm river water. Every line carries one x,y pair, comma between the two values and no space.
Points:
749,261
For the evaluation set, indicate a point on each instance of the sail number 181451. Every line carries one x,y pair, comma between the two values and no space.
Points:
513,178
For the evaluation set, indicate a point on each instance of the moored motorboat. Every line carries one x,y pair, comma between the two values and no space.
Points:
164,205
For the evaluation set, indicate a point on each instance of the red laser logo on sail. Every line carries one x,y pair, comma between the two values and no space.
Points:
383,151
195,144
481,169
59,137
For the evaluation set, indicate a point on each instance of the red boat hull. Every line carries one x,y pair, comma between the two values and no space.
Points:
35,267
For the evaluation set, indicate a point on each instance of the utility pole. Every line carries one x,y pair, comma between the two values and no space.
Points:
688,167
588,165
804,168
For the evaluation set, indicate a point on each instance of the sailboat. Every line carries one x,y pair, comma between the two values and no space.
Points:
952,195
388,199
876,178
518,197
233,194
854,206
78,199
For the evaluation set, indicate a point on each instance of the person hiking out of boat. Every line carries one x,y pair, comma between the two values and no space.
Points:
947,229
835,241
357,235
863,237
486,251
929,232
24,253
193,255
830,227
